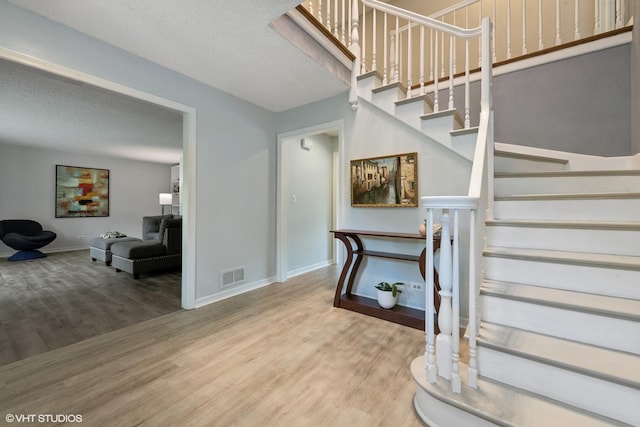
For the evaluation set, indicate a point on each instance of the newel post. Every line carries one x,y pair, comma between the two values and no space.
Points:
355,49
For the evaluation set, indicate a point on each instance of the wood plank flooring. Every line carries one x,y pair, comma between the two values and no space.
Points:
278,356
64,298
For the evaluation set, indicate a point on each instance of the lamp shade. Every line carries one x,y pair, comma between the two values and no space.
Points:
165,199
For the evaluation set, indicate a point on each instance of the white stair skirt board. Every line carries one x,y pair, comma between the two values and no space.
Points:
611,208
566,182
602,237
515,162
611,275
492,404
592,394
611,332
385,96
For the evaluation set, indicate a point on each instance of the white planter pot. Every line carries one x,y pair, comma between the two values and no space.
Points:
386,299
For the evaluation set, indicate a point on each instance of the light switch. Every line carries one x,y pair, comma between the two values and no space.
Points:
294,199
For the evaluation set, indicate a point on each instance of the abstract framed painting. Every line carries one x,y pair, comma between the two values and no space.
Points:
389,181
81,192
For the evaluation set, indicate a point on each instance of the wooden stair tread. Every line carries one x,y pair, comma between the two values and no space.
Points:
566,257
579,224
569,196
603,363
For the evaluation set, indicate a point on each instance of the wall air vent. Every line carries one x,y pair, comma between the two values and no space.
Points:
232,277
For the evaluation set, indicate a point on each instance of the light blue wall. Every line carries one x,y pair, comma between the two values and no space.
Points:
235,145
368,132
309,178
27,189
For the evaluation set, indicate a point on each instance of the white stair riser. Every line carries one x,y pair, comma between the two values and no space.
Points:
366,85
439,128
589,328
505,186
386,99
620,242
582,391
590,209
589,279
410,113
434,412
507,164
465,144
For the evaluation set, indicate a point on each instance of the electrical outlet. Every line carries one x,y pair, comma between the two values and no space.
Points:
416,286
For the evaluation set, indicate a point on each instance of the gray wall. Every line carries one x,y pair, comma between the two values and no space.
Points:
635,81
580,104
27,189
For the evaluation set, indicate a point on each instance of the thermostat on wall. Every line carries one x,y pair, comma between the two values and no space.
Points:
306,145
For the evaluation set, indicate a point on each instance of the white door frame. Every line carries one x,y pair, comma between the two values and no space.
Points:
188,188
282,201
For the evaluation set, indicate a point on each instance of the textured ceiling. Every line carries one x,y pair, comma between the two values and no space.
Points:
227,44
42,110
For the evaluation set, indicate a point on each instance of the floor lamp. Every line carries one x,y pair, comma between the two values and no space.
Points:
164,199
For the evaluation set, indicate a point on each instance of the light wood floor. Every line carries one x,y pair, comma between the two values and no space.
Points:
278,356
64,298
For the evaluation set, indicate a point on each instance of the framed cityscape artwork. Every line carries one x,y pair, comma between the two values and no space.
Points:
390,181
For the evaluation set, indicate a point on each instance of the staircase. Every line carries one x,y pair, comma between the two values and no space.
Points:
559,340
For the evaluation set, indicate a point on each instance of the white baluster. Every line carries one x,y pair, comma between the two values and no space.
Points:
444,339
509,29
349,21
430,54
596,27
618,14
436,107
540,42
310,7
442,50
320,11
480,38
393,57
455,338
451,38
473,365
374,39
524,27
385,59
364,40
453,47
409,61
421,59
576,33
558,39
355,49
430,359
343,39
328,24
335,21
396,77
494,32
467,120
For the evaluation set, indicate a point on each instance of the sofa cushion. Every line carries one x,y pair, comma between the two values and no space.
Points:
138,250
105,244
151,226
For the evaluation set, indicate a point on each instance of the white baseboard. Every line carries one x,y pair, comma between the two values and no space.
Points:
237,290
303,270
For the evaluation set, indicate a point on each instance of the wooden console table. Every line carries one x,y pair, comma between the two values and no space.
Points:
369,306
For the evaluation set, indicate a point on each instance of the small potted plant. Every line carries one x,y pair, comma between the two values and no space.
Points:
388,294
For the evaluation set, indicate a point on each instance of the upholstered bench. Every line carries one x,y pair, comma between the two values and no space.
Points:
100,249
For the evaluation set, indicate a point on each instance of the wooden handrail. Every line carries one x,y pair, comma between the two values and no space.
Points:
312,19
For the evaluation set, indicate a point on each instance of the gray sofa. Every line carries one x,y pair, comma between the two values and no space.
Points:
163,252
